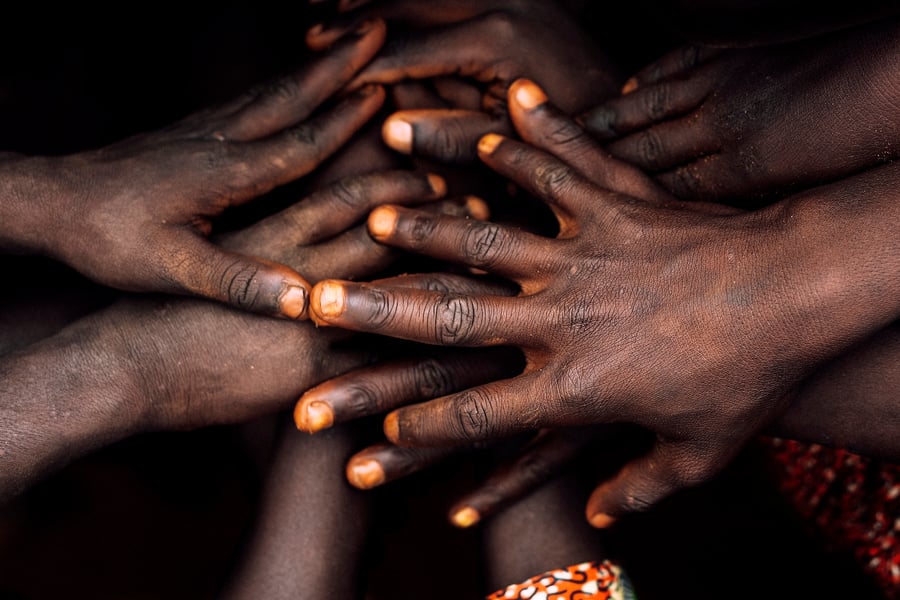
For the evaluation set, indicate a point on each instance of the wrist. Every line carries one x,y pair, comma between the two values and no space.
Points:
31,205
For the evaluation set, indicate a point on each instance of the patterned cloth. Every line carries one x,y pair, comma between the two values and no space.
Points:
850,500
600,581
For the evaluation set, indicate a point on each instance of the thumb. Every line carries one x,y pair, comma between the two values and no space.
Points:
648,479
246,283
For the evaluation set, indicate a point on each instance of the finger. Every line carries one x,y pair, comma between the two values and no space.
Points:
289,100
447,135
566,191
256,167
666,145
539,462
354,254
648,105
489,246
415,95
447,283
458,93
677,63
416,315
195,266
383,463
480,414
384,387
648,479
337,207
540,123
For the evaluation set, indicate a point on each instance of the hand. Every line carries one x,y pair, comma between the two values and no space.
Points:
135,215
693,321
489,43
704,120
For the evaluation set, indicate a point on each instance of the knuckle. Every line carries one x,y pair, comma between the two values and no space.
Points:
472,416
381,308
362,401
455,319
566,133
217,158
450,142
305,134
241,284
432,379
421,228
685,183
656,101
689,57
349,192
483,244
649,148
553,181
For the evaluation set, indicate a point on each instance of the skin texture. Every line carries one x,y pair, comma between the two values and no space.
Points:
489,44
613,302
136,215
705,122
163,363
311,529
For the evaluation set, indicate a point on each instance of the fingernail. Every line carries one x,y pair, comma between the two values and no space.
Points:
488,143
630,86
313,416
365,27
438,184
315,31
293,301
477,208
465,517
398,134
383,221
328,299
392,427
601,520
528,95
365,474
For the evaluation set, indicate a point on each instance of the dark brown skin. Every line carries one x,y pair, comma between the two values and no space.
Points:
311,530
489,43
739,125
615,302
147,364
136,215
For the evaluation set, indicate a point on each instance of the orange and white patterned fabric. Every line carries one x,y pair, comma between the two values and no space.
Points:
591,580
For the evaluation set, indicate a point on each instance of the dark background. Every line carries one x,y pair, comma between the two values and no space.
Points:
163,516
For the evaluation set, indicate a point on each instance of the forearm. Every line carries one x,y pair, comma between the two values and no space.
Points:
60,399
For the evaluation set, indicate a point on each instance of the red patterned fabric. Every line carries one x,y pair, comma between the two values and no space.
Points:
853,501
591,580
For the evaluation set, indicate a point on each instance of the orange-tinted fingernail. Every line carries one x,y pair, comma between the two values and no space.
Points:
477,208
293,301
392,427
398,134
438,184
313,416
365,474
630,86
488,143
601,520
528,94
327,299
383,221
465,517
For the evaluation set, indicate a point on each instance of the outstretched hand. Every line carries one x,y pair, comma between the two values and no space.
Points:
694,321
136,215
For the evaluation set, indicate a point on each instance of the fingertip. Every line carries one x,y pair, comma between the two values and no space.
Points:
382,222
465,517
488,143
313,416
527,94
293,301
365,474
477,208
392,427
326,301
398,134
438,185
600,520
630,85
